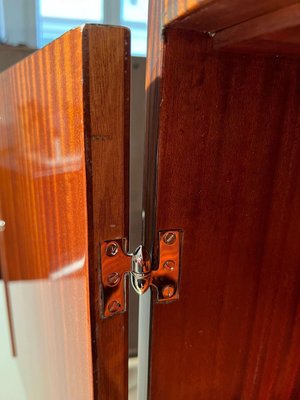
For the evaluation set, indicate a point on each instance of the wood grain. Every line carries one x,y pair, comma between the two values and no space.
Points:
107,162
228,175
153,77
211,15
263,27
56,201
207,16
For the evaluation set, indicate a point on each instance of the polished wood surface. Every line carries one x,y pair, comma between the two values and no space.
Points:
228,176
274,21
212,16
43,201
153,77
284,18
62,169
269,26
107,162
277,32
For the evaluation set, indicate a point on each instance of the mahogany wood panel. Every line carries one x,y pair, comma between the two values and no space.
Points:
213,15
64,178
276,22
282,19
229,177
275,33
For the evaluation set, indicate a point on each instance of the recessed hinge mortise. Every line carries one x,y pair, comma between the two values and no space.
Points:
117,265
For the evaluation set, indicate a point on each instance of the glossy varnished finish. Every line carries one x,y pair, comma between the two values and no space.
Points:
107,162
219,19
43,202
228,176
268,26
50,107
153,77
277,32
212,16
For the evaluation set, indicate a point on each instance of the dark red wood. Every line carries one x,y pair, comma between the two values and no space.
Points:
229,177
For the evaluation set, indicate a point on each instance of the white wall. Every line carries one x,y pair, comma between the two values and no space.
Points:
20,22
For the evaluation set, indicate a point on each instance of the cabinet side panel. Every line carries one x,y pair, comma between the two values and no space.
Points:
229,177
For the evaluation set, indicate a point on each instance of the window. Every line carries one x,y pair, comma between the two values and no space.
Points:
2,26
56,17
134,14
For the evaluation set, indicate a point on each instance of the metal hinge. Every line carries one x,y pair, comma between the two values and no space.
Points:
117,265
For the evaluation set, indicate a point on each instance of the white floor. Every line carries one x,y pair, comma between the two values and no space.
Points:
11,387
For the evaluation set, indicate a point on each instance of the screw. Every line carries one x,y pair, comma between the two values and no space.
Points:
168,291
112,249
113,279
2,225
169,265
169,238
113,306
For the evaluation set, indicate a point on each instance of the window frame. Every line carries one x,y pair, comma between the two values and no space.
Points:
27,29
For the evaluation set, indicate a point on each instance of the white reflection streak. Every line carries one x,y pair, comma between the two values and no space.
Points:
68,269
61,163
42,164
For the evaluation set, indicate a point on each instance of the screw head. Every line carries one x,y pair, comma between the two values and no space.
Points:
168,291
2,225
112,249
114,306
113,279
169,265
169,238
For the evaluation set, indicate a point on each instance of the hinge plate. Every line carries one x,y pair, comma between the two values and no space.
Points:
116,266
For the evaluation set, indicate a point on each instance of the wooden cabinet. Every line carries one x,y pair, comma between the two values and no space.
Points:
223,119
221,206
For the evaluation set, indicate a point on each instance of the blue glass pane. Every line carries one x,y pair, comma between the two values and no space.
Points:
134,15
138,41
52,28
72,9
58,16
134,10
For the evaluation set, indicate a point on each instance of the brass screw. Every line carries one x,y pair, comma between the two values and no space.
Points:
113,279
169,265
169,238
113,306
112,249
168,291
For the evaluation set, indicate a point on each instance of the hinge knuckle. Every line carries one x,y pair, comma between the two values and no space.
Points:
140,270
116,264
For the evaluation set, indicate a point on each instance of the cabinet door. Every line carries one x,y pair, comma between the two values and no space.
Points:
64,122
224,129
